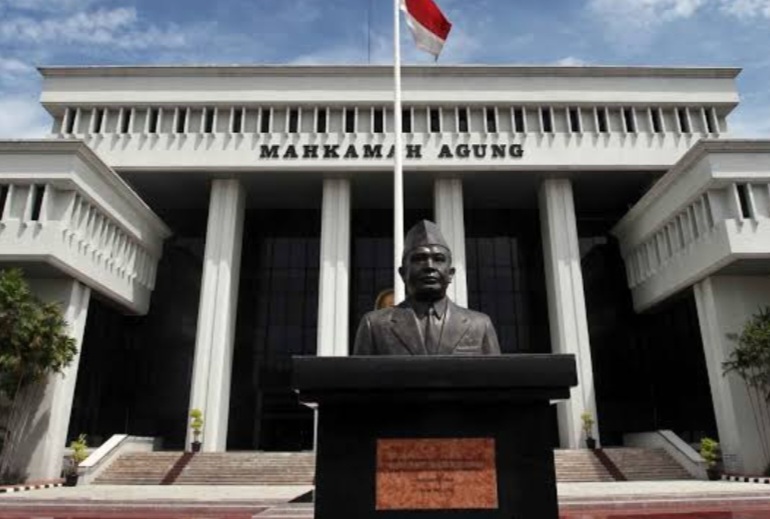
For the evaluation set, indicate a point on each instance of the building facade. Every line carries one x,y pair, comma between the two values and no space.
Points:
204,224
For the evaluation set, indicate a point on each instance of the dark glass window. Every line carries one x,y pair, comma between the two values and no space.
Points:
601,120
545,116
657,125
406,120
321,121
684,122
152,124
518,120
126,123
378,124
277,318
237,120
264,123
711,126
435,120
350,120
574,120
628,120
293,120
38,190
3,198
70,128
98,120
491,115
208,120
462,120
743,199
181,120
506,279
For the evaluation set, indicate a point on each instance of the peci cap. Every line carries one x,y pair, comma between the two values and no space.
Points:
424,233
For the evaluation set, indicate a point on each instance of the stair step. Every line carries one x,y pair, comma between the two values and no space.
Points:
257,468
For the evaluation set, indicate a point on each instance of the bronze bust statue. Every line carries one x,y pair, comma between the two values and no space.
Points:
427,322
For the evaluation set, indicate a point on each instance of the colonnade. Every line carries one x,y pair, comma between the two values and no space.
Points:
219,290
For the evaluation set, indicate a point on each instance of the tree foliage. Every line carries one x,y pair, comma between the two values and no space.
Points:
33,335
751,361
34,343
751,357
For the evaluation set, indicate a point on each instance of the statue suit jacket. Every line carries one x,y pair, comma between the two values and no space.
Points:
393,331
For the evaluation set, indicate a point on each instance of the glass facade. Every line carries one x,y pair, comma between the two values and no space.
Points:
135,372
504,255
134,375
277,318
650,368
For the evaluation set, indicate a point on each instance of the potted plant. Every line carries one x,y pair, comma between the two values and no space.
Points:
709,451
196,425
79,454
588,424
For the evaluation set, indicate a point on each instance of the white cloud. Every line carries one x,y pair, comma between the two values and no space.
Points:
22,118
12,66
746,8
116,27
50,6
634,24
644,12
571,61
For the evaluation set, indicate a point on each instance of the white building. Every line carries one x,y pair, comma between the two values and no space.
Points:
202,224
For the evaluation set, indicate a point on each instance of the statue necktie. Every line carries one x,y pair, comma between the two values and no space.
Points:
431,331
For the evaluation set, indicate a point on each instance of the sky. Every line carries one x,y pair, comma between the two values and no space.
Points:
733,33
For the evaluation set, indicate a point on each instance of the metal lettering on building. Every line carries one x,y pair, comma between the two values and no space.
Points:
378,151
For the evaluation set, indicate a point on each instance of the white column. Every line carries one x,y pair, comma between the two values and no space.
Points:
566,304
41,452
724,305
448,203
212,368
335,265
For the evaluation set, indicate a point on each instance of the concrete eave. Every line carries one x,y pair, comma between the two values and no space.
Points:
81,150
386,71
688,160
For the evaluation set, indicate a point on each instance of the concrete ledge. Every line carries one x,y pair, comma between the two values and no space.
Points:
22,488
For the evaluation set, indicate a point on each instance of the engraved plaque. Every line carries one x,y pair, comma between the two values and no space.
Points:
436,474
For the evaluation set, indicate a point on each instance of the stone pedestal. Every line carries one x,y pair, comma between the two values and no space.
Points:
435,436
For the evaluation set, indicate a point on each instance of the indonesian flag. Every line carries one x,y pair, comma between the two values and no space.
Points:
429,26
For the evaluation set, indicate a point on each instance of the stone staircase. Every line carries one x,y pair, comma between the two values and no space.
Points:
139,468
579,465
638,464
298,468
249,468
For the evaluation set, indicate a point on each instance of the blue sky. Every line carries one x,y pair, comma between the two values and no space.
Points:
569,32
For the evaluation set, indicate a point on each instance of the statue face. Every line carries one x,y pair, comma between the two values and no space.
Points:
427,272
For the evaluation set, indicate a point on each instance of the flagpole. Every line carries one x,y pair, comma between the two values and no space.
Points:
398,173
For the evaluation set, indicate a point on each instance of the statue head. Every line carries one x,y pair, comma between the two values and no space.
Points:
426,265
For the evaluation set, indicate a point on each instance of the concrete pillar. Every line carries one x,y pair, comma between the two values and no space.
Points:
724,305
448,203
42,449
212,368
334,275
566,304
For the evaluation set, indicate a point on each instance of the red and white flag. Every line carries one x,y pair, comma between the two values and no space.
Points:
429,26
